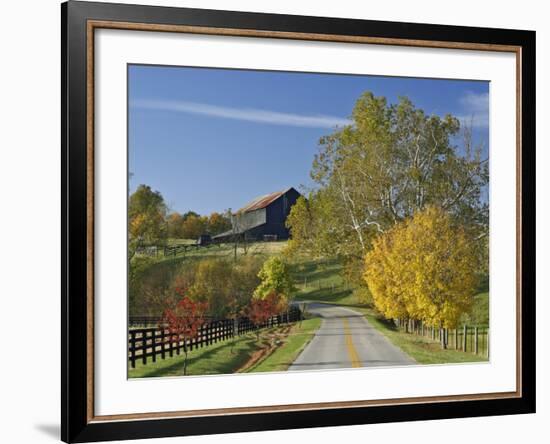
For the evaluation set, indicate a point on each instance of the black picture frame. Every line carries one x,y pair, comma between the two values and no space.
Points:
76,423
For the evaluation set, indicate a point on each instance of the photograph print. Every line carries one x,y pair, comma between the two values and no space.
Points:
292,221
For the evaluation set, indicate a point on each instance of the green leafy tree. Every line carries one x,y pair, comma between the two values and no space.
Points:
193,226
226,286
174,223
211,282
189,213
275,279
147,219
312,223
392,161
244,281
218,223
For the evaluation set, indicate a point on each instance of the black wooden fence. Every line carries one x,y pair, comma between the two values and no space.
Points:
151,321
145,344
174,250
465,338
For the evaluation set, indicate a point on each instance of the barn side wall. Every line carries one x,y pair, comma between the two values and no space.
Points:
277,212
251,219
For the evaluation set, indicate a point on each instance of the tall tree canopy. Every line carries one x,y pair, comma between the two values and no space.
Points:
218,223
193,226
390,162
147,218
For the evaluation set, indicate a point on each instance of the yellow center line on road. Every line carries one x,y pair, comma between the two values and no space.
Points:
352,352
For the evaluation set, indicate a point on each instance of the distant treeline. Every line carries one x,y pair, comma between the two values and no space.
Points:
191,225
151,223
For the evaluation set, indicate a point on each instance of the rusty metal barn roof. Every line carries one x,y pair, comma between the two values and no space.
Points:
262,201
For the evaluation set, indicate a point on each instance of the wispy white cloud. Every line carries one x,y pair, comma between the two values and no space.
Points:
475,109
246,114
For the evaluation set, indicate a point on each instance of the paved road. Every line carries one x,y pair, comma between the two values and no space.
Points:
345,340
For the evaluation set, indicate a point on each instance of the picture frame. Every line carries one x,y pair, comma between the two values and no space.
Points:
80,21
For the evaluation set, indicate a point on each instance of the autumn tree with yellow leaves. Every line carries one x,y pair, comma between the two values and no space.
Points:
146,219
424,268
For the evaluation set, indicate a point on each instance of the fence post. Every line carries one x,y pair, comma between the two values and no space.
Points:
144,347
172,345
476,344
163,339
154,341
465,348
133,348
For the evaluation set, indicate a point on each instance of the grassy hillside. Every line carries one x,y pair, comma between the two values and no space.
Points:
170,263
158,272
321,280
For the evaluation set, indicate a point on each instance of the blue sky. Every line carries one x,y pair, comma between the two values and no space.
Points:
212,139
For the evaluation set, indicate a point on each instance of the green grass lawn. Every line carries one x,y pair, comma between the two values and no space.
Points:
218,250
214,359
292,346
175,241
226,358
321,280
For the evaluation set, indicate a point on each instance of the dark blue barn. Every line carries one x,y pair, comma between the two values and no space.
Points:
263,218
